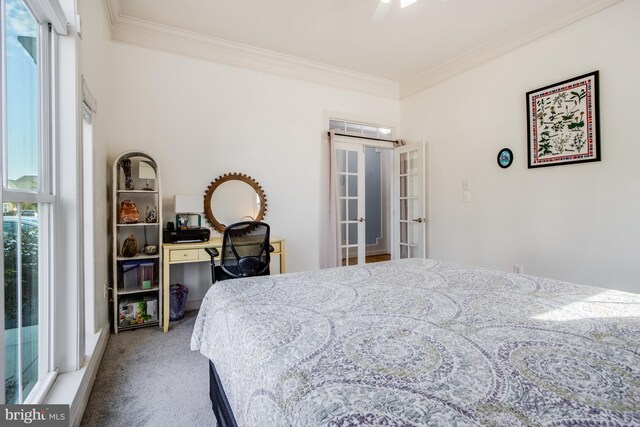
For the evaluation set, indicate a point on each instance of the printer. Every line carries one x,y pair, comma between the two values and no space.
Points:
186,235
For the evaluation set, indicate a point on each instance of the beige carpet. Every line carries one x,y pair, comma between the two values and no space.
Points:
147,378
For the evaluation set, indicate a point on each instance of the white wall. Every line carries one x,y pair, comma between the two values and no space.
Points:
573,222
201,120
95,57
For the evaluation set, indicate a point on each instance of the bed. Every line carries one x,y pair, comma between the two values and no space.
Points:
419,342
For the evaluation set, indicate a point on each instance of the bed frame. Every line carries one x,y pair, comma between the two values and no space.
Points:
219,402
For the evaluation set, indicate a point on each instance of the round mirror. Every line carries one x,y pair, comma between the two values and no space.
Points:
234,197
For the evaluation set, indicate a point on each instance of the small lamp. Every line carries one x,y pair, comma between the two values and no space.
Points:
185,207
146,171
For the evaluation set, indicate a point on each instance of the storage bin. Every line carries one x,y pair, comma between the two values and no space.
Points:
145,275
137,275
138,311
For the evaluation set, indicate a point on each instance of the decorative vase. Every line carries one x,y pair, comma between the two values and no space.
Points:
126,168
130,246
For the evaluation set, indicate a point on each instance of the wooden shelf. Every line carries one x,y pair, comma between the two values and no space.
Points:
139,256
135,224
139,325
138,291
137,191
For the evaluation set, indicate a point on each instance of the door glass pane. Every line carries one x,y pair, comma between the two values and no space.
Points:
353,233
22,97
353,210
403,186
352,190
413,162
342,185
343,234
403,232
21,243
341,160
412,185
353,162
403,209
414,209
403,164
343,209
415,230
404,251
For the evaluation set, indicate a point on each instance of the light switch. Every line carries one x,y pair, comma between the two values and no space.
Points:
466,185
466,196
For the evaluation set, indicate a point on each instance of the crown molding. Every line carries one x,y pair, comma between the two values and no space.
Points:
175,40
163,37
112,9
516,36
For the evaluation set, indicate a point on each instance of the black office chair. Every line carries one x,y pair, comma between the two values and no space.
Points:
245,251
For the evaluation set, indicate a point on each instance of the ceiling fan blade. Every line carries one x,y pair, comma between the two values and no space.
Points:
381,10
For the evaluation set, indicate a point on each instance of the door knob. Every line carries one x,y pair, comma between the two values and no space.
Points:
418,220
361,219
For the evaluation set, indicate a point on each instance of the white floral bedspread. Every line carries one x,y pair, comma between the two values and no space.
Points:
424,343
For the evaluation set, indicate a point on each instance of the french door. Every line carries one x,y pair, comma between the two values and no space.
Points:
351,202
408,231
410,202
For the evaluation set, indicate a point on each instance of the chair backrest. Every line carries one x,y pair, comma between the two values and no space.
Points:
245,249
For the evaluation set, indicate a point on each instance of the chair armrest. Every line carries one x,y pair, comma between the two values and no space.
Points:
212,251
271,249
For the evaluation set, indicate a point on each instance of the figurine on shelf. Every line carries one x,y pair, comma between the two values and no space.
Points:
129,212
126,168
151,215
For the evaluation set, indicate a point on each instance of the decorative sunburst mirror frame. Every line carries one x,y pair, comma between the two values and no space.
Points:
208,195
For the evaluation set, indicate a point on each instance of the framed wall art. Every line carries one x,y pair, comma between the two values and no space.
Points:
562,122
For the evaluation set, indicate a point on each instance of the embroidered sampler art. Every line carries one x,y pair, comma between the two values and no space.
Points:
562,120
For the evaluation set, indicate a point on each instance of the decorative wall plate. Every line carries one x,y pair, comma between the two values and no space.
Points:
505,158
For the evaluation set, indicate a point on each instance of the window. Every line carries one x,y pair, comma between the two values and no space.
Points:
27,200
361,129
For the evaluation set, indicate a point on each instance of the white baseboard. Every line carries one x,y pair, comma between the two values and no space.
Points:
193,305
376,252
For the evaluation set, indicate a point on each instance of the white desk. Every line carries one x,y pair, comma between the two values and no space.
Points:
185,253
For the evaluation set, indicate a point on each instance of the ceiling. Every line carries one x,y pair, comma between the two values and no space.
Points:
407,44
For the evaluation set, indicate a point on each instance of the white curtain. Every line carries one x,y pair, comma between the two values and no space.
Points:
330,253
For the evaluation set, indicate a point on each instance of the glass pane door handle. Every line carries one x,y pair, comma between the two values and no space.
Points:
420,220
359,219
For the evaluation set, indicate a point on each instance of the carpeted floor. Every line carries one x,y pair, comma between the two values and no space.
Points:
147,378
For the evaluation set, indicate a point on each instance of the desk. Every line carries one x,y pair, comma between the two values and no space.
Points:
185,253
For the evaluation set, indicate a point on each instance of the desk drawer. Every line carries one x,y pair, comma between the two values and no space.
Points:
204,256
184,255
